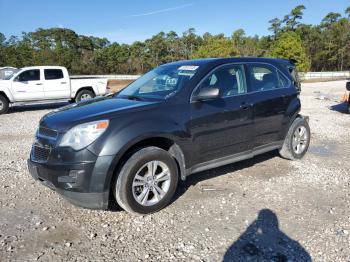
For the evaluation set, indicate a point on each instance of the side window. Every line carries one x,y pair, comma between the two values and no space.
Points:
229,79
52,74
29,75
263,77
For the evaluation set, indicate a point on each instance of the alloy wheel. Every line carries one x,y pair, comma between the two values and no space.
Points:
300,138
151,183
85,97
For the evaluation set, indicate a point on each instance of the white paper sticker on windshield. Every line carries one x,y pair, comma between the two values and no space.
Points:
188,67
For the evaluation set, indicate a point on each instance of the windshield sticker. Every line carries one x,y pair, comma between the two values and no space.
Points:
190,74
188,68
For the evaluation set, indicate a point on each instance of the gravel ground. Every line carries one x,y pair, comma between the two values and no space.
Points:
266,208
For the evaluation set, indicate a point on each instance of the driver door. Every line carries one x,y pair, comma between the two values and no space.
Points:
223,126
28,86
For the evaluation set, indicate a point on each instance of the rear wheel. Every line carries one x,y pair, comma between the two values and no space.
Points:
4,105
297,140
147,181
84,95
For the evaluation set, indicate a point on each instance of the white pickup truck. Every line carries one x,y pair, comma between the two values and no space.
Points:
47,84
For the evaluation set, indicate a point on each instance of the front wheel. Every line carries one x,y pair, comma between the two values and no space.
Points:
297,140
4,105
147,181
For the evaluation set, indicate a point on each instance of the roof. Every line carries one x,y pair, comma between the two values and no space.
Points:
218,61
7,67
42,67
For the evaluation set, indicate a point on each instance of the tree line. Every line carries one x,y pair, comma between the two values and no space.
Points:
321,47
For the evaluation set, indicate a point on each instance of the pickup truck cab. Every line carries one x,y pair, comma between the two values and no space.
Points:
46,84
178,119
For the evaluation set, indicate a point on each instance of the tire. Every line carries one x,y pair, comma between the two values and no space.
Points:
127,187
84,95
4,105
289,150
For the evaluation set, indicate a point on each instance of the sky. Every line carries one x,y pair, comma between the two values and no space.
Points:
128,21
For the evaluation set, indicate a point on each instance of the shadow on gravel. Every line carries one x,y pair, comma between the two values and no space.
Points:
264,241
341,108
17,109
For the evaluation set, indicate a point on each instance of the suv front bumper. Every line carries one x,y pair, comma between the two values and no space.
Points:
83,184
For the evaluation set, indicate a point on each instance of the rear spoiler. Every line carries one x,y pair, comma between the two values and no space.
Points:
293,61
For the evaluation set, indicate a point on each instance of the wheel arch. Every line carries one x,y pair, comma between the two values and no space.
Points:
2,93
164,142
89,88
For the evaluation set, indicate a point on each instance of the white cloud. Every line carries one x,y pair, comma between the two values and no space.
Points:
162,10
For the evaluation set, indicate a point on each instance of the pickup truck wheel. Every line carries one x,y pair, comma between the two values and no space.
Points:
84,95
297,140
4,105
147,181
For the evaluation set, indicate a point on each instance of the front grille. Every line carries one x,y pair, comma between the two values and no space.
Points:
46,132
40,154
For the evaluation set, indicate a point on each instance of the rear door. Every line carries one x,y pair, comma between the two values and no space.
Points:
272,95
56,84
223,126
28,86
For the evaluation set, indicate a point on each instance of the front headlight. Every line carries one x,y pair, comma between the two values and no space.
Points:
83,135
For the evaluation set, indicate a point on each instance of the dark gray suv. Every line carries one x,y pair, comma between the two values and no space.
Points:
178,119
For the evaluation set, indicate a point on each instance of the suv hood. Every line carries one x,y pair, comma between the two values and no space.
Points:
66,117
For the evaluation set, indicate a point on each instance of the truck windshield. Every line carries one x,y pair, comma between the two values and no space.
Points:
160,83
10,74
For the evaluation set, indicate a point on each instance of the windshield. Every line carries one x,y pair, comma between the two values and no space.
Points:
160,83
9,74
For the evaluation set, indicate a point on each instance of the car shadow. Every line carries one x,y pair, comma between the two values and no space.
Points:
24,108
264,241
341,108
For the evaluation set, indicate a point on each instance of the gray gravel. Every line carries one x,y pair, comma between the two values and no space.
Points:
266,208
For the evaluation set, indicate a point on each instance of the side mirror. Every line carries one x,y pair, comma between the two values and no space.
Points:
348,86
207,93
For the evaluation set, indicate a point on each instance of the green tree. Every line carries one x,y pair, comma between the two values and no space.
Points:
275,26
217,46
347,12
289,46
292,19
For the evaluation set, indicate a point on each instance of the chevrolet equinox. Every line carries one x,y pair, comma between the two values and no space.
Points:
181,118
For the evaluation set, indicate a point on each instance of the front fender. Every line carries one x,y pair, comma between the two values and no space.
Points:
118,141
7,92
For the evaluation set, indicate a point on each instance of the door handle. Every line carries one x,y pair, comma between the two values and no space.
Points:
63,83
245,106
39,84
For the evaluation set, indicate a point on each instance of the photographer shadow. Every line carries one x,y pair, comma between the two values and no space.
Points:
264,241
